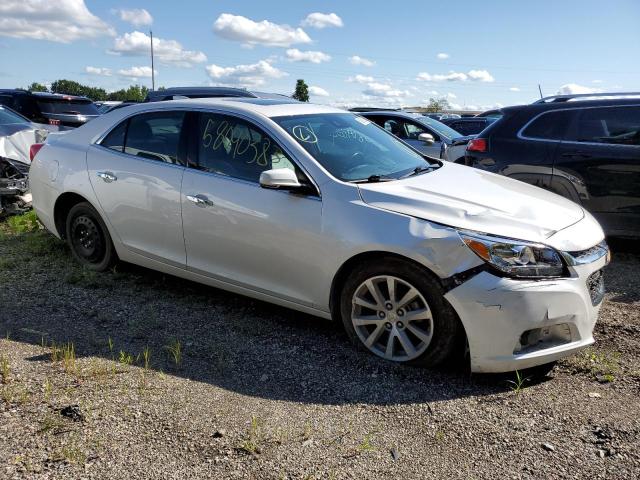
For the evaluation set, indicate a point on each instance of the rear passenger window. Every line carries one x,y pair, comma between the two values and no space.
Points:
155,136
115,139
613,125
549,126
235,148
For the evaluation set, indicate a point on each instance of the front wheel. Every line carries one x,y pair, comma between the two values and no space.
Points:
89,239
397,311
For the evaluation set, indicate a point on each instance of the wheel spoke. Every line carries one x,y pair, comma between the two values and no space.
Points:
391,286
367,320
419,314
418,332
406,343
375,293
364,303
408,297
371,339
389,351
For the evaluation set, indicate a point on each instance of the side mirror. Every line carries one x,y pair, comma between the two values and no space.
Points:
426,138
282,178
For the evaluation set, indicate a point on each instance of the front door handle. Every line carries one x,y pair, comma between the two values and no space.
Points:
200,200
108,177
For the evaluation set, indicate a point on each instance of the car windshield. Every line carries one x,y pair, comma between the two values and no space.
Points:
439,127
353,148
7,117
69,107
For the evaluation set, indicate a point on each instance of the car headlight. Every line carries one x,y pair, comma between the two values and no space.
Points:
515,257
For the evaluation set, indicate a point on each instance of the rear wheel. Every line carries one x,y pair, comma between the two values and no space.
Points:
89,239
397,311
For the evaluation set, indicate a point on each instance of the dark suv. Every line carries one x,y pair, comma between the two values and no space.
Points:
583,147
50,108
468,125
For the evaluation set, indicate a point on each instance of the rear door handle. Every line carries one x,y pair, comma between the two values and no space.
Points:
200,200
108,177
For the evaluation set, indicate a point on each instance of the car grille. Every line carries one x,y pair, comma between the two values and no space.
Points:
595,284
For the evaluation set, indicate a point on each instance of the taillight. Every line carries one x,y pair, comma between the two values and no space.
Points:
34,149
477,145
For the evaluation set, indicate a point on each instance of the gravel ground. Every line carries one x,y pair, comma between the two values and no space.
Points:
170,379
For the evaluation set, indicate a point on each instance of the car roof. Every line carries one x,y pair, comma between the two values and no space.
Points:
266,107
43,94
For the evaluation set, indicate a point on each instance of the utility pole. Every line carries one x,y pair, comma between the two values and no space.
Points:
153,73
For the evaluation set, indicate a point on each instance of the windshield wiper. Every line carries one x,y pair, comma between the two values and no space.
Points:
373,179
419,170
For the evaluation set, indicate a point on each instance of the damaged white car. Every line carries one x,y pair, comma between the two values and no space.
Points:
17,135
325,212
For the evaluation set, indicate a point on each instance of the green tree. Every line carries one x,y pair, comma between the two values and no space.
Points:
438,105
302,91
37,87
71,87
136,93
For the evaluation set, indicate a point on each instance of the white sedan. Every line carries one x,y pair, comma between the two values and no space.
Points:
323,211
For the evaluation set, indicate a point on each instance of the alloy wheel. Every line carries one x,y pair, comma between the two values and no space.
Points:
392,318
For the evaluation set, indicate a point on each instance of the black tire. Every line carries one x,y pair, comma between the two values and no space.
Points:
89,239
448,337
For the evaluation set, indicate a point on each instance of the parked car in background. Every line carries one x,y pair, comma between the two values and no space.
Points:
322,211
425,134
583,147
495,113
440,115
17,135
50,108
181,93
468,125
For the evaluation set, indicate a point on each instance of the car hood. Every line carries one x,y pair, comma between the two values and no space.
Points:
472,199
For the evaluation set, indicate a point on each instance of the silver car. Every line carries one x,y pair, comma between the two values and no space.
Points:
323,211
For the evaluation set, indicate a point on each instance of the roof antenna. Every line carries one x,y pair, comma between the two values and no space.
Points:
153,74
540,90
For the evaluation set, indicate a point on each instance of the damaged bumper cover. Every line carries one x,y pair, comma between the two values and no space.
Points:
14,187
514,324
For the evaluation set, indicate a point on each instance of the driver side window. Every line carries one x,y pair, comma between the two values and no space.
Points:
235,148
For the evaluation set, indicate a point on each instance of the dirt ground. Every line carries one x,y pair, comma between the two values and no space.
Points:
134,374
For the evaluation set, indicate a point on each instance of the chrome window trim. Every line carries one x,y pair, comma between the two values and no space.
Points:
571,142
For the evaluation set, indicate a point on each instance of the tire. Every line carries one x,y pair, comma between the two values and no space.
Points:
434,329
89,239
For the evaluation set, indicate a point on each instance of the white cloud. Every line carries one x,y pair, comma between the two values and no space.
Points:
318,91
245,30
57,21
356,60
481,76
514,89
252,75
167,52
137,17
443,56
474,75
451,95
376,89
361,79
136,72
433,92
574,88
105,72
295,55
322,20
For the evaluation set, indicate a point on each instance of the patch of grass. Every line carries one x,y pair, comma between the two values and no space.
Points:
254,437
47,386
70,453
366,445
5,369
85,278
15,394
518,383
69,358
125,358
146,357
175,350
52,424
602,366
7,264
27,222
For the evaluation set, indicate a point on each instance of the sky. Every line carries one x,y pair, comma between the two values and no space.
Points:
477,55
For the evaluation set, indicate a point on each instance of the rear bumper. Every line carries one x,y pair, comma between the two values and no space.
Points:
514,324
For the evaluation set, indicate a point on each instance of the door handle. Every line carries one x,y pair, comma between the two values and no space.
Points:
200,200
108,177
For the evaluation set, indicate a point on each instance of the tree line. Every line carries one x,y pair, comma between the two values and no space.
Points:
136,93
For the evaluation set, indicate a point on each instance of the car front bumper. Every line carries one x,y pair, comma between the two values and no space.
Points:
512,324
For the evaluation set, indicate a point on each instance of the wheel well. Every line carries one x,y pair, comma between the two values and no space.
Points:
347,267
460,161
64,203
